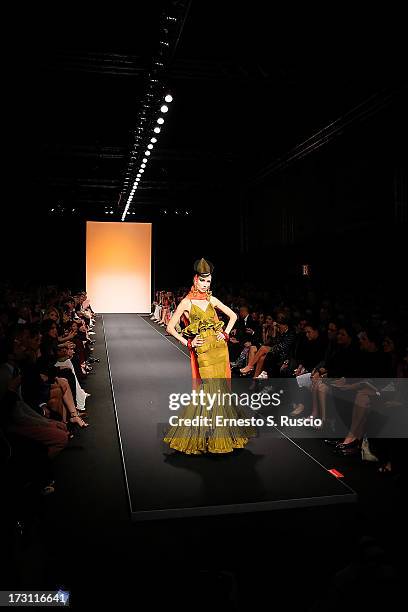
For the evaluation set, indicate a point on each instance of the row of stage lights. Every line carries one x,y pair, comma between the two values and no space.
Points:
156,97
178,211
59,209
181,212
109,210
153,140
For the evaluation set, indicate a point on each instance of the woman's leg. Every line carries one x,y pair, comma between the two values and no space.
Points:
69,402
56,403
260,362
163,316
361,407
67,374
321,400
315,398
256,355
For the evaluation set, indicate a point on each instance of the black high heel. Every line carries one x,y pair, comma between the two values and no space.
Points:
352,448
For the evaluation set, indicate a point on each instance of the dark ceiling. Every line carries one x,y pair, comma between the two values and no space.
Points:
248,88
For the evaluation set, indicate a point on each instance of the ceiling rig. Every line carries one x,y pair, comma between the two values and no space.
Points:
155,104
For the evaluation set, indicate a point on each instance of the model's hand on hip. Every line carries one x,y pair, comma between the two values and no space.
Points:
198,341
220,335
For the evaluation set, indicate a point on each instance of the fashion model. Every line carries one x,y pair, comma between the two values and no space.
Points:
207,342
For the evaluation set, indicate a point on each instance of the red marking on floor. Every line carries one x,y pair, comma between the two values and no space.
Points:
336,473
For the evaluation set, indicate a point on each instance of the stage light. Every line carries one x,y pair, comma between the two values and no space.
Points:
141,170
153,139
143,165
147,152
144,160
157,130
168,98
160,120
150,146
164,108
138,175
137,179
111,212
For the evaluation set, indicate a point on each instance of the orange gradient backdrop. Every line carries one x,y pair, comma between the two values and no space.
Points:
118,266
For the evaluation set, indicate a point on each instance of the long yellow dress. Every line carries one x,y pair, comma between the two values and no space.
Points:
213,367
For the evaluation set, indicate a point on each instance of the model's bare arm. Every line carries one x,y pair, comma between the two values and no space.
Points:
175,320
230,313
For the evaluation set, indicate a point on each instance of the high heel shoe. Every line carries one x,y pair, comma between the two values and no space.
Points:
246,373
298,409
344,450
332,441
75,419
49,488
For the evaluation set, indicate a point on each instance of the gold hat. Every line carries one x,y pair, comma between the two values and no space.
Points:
203,267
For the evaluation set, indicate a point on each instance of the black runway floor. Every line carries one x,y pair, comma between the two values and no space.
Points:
272,472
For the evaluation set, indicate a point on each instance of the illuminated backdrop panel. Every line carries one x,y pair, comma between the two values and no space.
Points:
118,266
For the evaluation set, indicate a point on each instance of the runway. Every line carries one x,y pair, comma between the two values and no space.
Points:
272,472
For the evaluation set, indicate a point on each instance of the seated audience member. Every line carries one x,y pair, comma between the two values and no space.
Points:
16,416
309,357
373,366
341,364
269,332
244,333
42,382
312,353
65,361
49,354
277,358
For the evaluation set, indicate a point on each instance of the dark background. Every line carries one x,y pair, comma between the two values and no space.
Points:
285,143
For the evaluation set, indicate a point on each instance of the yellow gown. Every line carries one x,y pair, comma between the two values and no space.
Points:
213,366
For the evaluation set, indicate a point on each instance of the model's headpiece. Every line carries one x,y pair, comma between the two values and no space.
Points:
203,267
